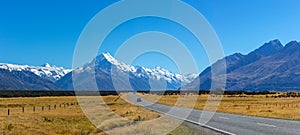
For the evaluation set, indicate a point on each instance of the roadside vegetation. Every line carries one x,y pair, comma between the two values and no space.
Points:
275,105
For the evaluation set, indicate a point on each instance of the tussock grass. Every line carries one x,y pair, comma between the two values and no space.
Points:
69,119
64,120
253,105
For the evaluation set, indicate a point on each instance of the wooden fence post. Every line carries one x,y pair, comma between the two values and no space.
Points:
248,108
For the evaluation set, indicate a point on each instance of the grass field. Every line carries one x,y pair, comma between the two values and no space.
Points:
272,106
62,115
65,116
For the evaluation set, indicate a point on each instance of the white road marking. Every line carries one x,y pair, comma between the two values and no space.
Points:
224,118
268,125
194,122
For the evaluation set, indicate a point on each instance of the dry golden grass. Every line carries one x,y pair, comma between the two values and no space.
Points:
70,119
256,105
65,120
129,111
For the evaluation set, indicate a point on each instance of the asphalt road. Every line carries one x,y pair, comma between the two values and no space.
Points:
226,123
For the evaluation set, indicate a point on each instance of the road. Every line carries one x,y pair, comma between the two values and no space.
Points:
226,123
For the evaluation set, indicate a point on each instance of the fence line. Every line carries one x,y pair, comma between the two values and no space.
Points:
12,110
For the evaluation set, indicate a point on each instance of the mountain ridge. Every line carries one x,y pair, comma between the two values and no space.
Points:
272,66
23,80
45,71
139,77
258,70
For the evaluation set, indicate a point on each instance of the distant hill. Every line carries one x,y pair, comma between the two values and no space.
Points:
270,67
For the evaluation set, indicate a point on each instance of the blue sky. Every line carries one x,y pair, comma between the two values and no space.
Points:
34,32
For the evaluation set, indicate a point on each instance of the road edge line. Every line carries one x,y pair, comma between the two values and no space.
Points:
193,122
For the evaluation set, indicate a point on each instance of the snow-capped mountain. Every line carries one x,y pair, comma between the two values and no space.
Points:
45,71
105,59
140,77
24,80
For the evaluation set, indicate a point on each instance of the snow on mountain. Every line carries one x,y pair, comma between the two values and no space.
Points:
105,67
179,79
46,71
119,64
105,60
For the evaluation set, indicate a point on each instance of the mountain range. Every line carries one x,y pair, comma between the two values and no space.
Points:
47,77
24,77
140,78
270,67
45,71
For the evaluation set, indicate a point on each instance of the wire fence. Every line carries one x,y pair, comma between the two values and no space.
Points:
8,111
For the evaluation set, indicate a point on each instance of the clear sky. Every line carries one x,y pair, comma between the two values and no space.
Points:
37,31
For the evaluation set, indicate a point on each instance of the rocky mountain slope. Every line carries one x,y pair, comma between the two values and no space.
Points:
270,67
24,80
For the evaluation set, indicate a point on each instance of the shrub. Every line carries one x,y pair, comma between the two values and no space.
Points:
10,127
